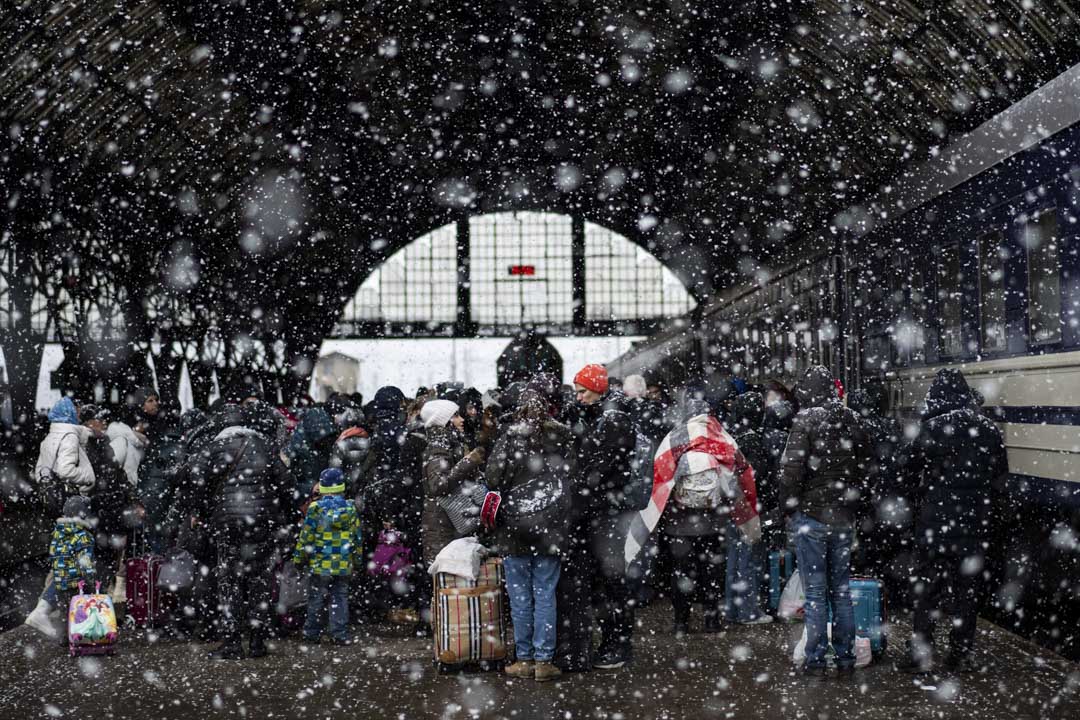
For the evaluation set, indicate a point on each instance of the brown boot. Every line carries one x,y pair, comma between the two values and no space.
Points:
520,669
546,671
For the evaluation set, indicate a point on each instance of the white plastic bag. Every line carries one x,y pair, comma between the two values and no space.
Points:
793,599
863,654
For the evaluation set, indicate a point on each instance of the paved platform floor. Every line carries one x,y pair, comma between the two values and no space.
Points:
741,673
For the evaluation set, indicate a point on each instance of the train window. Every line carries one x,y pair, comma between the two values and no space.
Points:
1044,278
992,257
950,299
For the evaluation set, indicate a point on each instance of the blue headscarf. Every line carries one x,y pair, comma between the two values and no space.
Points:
64,412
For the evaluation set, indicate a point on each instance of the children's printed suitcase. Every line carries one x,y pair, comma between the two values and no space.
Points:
469,618
145,600
91,623
781,567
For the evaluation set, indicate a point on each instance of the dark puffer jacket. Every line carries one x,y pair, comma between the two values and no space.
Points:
241,485
954,464
605,444
827,464
885,434
777,425
528,449
747,420
309,449
446,469
113,499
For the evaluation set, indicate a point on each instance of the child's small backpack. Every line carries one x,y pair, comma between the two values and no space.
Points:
391,557
91,623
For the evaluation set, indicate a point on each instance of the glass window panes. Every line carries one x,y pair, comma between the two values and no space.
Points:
1039,237
416,284
625,282
992,256
419,283
950,299
541,241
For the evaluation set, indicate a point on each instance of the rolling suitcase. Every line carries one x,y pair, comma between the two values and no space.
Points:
91,625
145,606
781,566
469,619
871,612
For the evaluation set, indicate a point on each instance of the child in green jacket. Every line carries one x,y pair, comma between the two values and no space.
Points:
329,544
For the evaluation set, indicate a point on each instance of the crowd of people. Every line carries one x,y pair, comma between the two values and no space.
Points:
355,495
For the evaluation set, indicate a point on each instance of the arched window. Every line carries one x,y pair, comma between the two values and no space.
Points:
521,271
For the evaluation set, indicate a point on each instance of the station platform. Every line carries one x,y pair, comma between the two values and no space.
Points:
743,672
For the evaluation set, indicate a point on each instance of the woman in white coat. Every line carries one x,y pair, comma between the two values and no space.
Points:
129,447
63,469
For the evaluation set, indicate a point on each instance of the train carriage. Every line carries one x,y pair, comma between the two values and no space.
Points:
976,265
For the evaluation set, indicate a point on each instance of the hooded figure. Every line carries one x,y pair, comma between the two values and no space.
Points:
309,449
63,467
239,487
827,466
953,468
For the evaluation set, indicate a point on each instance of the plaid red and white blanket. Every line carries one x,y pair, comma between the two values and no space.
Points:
698,445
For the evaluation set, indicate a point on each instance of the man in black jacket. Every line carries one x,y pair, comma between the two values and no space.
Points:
241,485
954,465
826,468
745,560
605,440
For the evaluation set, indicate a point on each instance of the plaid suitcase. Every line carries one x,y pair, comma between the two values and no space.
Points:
469,618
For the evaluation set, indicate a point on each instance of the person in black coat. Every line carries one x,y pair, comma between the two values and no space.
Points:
775,428
885,523
239,484
827,466
113,503
745,561
953,465
604,439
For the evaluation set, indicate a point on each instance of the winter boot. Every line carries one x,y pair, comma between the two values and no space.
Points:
521,669
230,650
39,619
257,646
546,671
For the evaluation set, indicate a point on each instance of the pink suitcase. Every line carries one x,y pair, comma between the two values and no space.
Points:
91,624
145,604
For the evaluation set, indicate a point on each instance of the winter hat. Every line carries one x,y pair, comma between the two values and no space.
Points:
77,506
634,386
387,402
593,377
331,480
437,413
93,412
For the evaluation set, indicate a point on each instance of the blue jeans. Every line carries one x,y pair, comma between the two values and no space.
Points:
823,556
743,577
336,587
531,581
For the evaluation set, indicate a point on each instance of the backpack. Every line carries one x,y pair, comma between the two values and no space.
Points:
705,490
637,490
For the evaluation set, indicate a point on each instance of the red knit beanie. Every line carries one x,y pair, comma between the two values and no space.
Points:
592,377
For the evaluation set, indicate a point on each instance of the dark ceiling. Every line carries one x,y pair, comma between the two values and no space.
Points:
293,145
